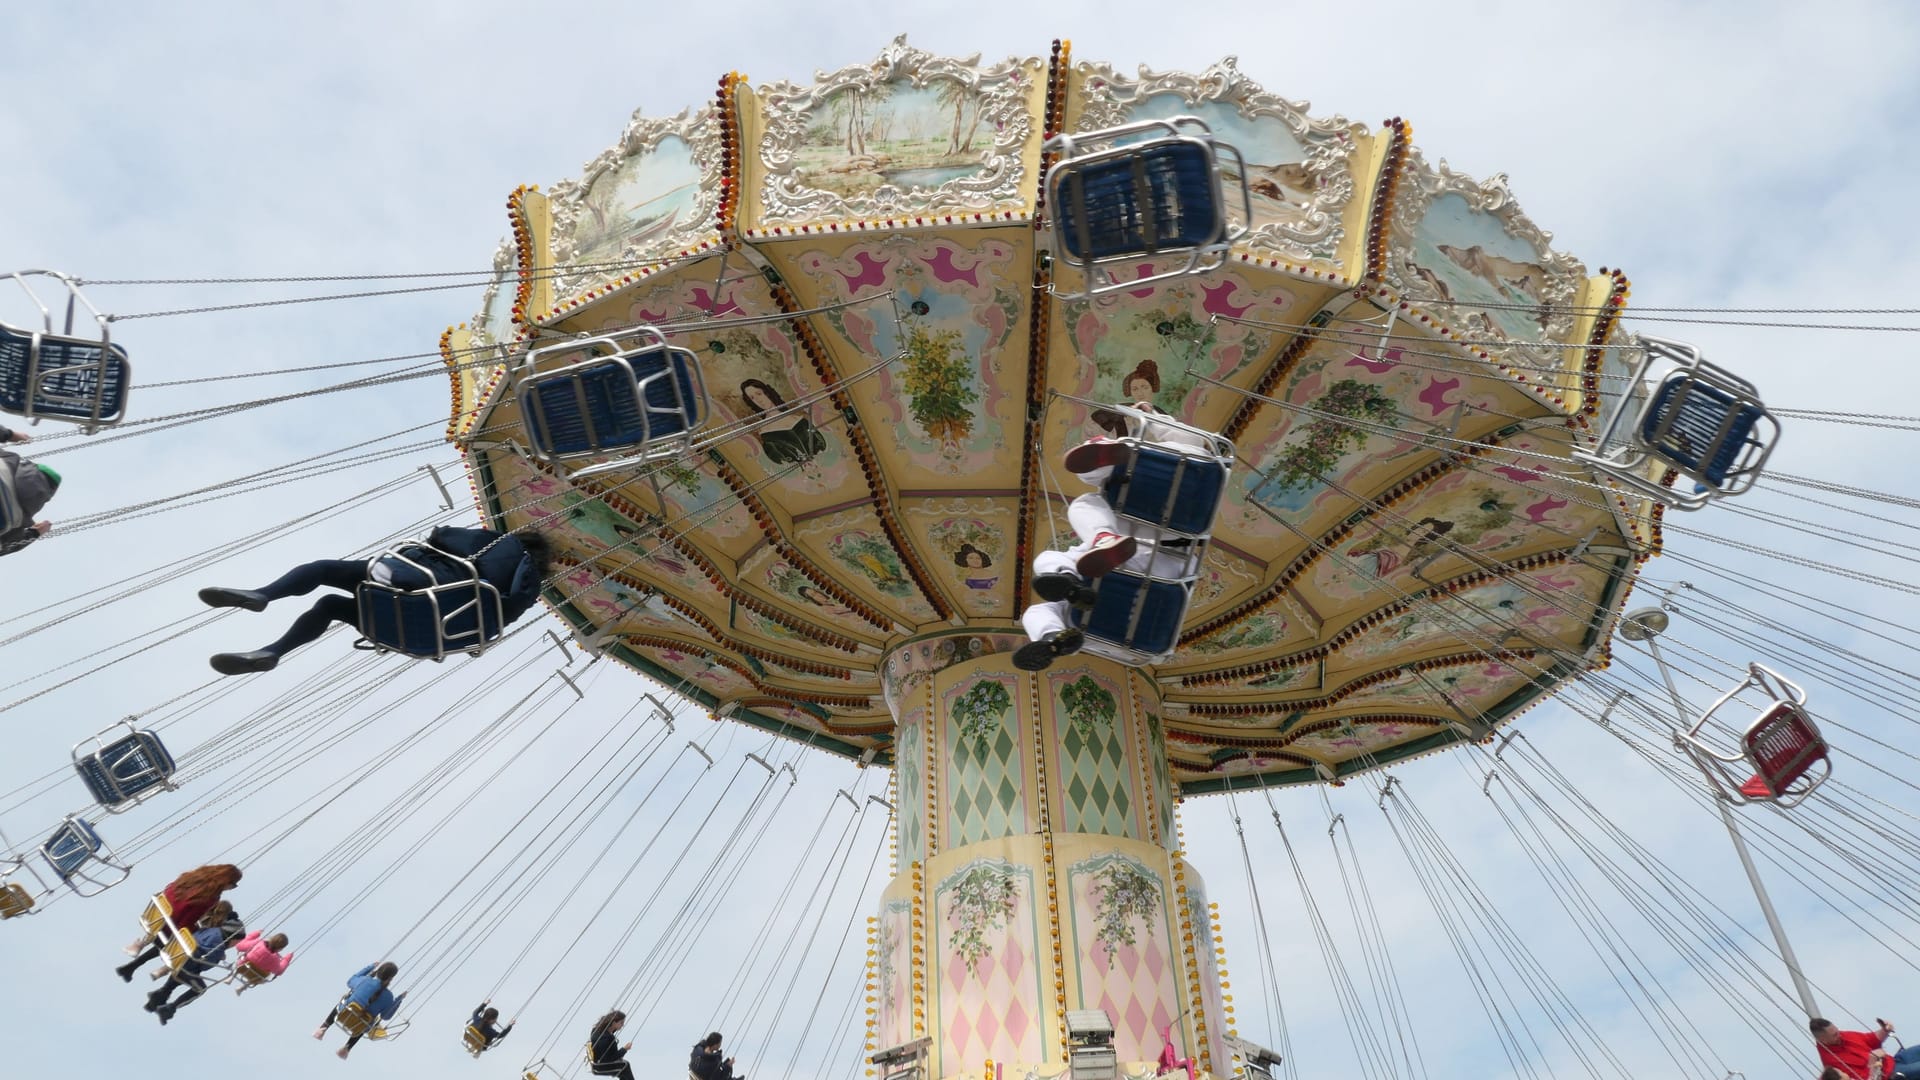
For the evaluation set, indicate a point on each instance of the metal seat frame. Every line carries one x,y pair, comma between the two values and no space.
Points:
1079,151
1730,772
245,977
1177,555
75,830
475,1042
126,791
36,397
485,601
16,900
1624,446
679,443
1147,434
354,1019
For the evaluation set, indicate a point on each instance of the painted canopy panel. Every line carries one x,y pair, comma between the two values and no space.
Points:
1404,556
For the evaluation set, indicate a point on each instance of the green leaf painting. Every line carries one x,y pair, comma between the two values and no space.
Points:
1123,894
1089,705
939,381
980,710
1308,461
984,899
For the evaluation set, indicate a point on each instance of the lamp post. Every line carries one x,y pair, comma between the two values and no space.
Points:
1643,626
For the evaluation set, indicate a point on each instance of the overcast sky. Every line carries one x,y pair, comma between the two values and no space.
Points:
1726,155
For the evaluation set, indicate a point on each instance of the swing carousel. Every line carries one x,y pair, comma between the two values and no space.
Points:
788,376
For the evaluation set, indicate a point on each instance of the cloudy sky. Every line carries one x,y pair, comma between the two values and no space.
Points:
1751,155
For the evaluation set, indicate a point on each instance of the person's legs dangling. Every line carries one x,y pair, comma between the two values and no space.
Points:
314,622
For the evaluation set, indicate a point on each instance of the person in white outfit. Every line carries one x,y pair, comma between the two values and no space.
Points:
1061,578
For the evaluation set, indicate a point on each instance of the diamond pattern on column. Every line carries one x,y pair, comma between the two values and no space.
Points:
983,777
988,1011
1138,990
911,794
1093,782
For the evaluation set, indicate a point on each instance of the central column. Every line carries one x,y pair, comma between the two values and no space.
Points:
1036,869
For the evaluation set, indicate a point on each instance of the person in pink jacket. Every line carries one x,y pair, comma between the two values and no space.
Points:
265,955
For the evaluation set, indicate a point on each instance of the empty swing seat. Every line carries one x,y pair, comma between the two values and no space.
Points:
1698,419
62,378
1700,428
1781,757
1140,200
1134,619
632,400
1783,746
1161,195
15,900
73,849
429,623
46,374
122,772
1168,490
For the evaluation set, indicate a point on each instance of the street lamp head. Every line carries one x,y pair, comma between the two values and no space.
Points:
1644,624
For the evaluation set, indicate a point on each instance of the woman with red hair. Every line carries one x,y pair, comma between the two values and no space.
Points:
190,897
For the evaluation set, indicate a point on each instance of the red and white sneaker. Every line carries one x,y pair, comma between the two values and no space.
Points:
1096,453
1107,553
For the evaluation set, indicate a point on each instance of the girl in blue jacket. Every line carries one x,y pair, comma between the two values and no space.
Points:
367,989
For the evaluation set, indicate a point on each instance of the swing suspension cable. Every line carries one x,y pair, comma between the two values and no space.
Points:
580,884
426,947
313,736
839,950
823,890
1709,919
171,571
545,858
750,823
736,985
497,735
1803,866
1678,913
340,853
1353,1014
677,943
492,921
1618,955
1510,1044
1389,1001
588,987
1566,1017
1269,972
671,873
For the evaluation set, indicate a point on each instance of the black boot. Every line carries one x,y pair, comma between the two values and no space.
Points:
1039,655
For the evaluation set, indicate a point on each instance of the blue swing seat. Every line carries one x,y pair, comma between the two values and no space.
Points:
1698,419
429,623
1115,200
73,848
1170,491
630,401
1149,199
122,772
62,376
1700,428
1134,618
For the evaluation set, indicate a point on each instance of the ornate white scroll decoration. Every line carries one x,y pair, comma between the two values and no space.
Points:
1325,173
1001,94
1550,319
568,199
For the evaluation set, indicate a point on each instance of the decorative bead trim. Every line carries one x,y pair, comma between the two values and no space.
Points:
1385,187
